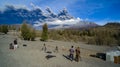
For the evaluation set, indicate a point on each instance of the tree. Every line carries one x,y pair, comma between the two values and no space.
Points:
25,31
33,34
0,28
4,29
44,36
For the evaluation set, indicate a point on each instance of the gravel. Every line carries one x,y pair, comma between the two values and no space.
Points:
33,56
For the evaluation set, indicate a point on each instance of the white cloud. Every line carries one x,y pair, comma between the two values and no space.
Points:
59,22
34,6
17,6
20,6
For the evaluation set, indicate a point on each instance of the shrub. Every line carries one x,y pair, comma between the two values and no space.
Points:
27,33
4,29
33,34
44,35
24,31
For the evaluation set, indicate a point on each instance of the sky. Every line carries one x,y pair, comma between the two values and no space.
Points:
98,11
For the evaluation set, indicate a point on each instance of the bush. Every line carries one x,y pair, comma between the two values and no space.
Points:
27,33
44,36
91,40
98,36
33,34
4,29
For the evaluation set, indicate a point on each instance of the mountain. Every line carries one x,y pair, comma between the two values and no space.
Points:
37,17
84,24
112,24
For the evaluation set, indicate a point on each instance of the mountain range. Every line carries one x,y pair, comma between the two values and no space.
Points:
37,17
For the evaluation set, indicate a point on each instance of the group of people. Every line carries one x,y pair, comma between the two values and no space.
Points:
71,50
14,45
44,48
77,56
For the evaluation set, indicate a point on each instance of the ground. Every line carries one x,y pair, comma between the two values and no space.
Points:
33,56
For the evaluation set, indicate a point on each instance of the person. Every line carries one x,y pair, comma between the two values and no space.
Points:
11,46
15,41
15,44
77,54
71,56
56,49
44,47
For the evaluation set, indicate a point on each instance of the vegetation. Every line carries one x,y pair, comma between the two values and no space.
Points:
105,35
12,27
44,35
4,29
108,34
27,32
33,34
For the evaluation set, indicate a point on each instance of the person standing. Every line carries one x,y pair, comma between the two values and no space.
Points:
56,49
71,56
44,47
15,44
78,57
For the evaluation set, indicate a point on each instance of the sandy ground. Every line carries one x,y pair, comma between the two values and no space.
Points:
33,56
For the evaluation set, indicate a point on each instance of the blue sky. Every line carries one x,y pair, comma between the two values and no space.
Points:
99,11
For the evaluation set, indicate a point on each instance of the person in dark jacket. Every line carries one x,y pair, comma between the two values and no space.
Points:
15,44
15,41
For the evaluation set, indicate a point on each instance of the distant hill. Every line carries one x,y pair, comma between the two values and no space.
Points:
84,25
112,24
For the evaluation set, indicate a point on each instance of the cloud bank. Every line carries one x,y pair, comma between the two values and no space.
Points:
58,22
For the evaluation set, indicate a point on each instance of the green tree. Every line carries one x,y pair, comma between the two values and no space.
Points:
25,31
4,29
0,28
44,36
33,34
